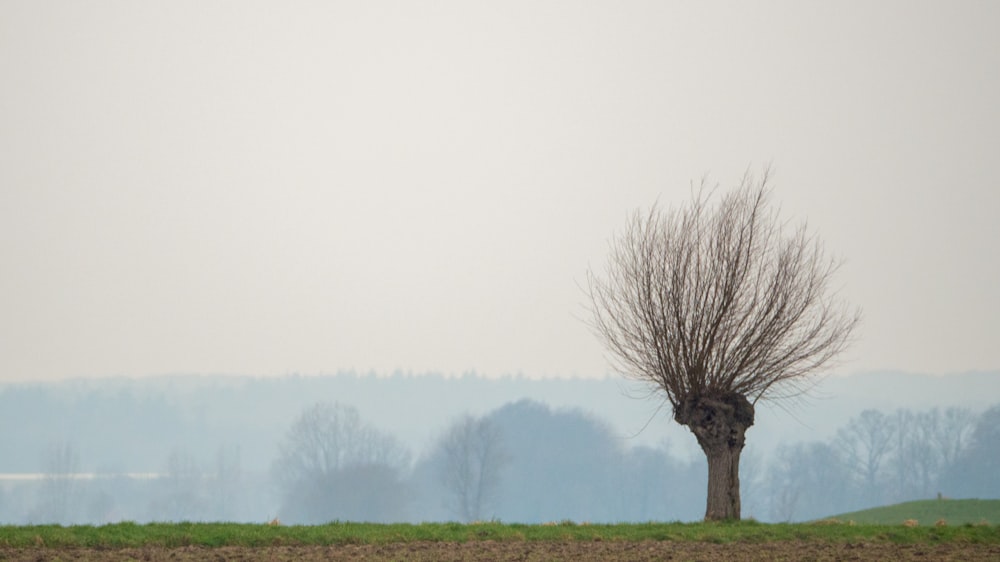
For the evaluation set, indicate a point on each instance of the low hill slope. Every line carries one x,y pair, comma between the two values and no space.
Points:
929,512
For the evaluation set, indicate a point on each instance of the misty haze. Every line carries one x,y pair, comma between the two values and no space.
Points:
392,448
317,261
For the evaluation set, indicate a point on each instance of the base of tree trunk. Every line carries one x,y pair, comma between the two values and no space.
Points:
719,423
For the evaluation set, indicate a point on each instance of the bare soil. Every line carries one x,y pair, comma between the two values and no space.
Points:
530,551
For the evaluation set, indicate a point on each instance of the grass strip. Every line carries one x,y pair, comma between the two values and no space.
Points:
172,535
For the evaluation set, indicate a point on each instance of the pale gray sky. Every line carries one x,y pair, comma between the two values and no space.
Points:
274,187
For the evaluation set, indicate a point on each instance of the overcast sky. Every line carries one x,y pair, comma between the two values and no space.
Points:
274,187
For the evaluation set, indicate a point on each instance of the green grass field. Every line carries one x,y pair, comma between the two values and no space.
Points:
122,535
929,512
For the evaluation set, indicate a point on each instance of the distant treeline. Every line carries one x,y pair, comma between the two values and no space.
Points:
523,461
880,458
131,425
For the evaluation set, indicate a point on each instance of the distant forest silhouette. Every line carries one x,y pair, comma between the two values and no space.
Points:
215,447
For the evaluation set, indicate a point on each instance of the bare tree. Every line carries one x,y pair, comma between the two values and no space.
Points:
59,485
866,443
913,461
951,432
183,488
938,439
718,307
328,437
808,480
226,486
473,456
974,470
333,465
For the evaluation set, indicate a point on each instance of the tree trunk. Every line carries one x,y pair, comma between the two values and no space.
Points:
719,423
723,500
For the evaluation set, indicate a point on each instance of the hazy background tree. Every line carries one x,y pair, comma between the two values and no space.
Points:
974,472
718,307
104,494
564,464
658,486
927,443
647,489
754,495
226,483
866,443
472,457
58,492
181,489
912,463
950,432
335,466
808,481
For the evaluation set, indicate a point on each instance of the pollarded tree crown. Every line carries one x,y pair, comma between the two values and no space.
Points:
717,420
706,300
